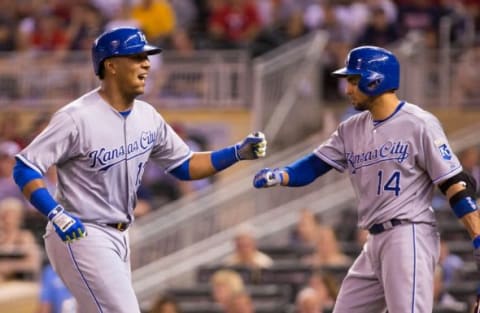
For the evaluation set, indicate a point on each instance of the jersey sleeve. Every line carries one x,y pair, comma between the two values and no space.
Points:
438,159
332,151
170,150
56,143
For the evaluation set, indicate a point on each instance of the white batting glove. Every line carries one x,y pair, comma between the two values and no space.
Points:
268,178
254,146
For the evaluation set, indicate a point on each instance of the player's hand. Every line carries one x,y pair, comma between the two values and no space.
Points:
67,226
267,178
254,146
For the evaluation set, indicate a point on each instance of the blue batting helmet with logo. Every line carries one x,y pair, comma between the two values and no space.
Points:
117,42
378,69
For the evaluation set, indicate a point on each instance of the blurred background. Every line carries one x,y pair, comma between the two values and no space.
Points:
230,67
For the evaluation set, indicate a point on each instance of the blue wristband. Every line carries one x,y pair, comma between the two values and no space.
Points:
476,242
223,158
464,206
43,201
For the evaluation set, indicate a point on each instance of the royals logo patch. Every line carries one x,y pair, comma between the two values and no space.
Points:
444,150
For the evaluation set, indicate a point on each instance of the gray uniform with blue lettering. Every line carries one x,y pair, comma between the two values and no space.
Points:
393,165
100,156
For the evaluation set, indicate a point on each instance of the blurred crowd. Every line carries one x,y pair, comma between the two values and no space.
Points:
183,25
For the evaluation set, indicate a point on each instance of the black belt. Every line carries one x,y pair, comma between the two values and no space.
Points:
380,228
119,226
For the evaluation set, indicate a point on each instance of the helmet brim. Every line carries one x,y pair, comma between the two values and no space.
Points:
151,49
344,72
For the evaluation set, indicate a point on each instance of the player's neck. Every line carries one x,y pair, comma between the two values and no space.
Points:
383,106
116,99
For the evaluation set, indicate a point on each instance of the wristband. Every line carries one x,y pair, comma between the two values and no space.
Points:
43,201
464,206
223,158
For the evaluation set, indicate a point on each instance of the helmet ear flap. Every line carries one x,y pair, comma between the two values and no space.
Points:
371,82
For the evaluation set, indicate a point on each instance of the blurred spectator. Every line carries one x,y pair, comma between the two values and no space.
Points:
306,229
327,16
246,252
240,302
22,254
48,34
122,18
165,304
224,284
7,35
39,123
8,188
85,25
455,12
307,301
389,7
185,13
280,30
157,19
10,127
450,263
465,92
326,288
379,31
441,298
419,16
327,250
108,8
54,296
234,25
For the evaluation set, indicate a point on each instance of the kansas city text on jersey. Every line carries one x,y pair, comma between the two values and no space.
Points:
105,158
397,151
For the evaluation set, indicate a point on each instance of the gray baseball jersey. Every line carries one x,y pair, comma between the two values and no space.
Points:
393,164
100,155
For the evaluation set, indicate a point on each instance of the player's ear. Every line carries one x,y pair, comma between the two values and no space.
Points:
109,66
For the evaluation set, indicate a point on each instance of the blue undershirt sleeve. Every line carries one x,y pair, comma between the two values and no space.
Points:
182,171
23,174
305,170
40,198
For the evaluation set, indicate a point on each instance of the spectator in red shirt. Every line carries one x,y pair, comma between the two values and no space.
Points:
234,24
48,34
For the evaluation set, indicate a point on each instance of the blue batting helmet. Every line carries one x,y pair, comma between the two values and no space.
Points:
117,42
378,69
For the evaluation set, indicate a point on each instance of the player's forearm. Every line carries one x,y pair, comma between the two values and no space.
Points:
460,192
471,221
201,165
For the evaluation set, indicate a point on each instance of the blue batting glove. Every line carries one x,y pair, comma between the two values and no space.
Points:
268,178
67,226
254,146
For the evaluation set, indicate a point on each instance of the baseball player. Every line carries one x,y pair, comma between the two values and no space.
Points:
395,153
100,143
